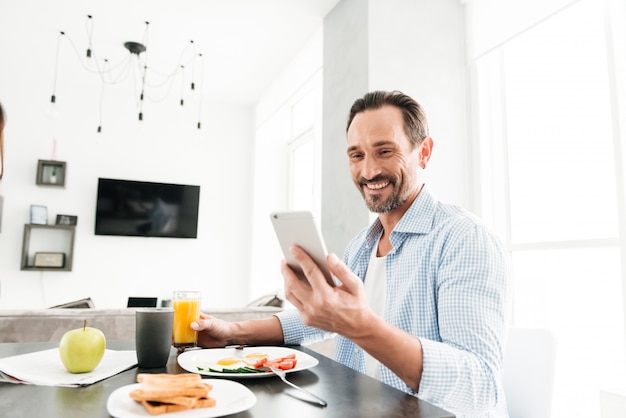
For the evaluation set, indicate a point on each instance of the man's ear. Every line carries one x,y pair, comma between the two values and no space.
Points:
426,149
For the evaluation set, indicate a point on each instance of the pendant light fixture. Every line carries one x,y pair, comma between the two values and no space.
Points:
114,73
192,87
137,48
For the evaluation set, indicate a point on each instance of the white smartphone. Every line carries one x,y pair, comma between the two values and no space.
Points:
299,228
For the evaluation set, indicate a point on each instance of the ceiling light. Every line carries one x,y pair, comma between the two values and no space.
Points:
114,73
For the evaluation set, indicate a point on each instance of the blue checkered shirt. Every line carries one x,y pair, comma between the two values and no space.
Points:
447,278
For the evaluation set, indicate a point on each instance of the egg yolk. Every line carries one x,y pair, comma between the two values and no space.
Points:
228,361
256,355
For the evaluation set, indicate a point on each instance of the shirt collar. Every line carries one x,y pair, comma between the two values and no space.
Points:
419,217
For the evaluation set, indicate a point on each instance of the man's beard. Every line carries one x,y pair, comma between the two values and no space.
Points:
375,203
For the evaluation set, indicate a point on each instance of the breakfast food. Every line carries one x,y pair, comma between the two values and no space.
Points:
162,393
251,363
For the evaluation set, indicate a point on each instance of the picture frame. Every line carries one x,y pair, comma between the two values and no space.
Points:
66,219
38,215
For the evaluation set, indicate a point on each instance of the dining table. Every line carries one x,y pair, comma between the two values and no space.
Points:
347,392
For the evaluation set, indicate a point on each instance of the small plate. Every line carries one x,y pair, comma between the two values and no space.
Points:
191,360
231,398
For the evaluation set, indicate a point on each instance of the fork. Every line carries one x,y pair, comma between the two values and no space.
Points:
283,376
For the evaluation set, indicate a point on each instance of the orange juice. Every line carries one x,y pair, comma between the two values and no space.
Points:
186,310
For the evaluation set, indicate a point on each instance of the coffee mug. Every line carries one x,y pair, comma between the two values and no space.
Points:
153,336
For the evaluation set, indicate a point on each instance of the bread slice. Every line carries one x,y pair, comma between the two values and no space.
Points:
163,393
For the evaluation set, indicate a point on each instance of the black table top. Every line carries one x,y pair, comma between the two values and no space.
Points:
348,392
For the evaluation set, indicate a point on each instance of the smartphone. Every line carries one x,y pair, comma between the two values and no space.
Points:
299,228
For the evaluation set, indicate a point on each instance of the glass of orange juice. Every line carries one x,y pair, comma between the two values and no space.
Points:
186,306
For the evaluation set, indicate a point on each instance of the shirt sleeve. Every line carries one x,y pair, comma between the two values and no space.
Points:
295,332
462,370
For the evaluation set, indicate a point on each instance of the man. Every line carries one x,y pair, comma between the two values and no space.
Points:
422,296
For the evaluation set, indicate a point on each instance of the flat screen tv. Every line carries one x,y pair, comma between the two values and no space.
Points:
145,209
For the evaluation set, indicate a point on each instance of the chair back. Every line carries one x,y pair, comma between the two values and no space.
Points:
528,372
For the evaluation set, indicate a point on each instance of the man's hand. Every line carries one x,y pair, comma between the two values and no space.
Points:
213,332
342,309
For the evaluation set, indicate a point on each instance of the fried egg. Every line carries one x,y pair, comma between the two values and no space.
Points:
253,358
227,363
233,363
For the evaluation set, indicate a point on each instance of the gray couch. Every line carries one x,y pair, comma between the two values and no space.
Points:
49,325
117,324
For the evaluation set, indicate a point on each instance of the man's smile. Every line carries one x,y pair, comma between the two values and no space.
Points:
376,186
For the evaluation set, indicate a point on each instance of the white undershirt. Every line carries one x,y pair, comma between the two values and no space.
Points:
375,290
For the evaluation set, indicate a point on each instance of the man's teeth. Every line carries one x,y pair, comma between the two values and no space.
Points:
377,186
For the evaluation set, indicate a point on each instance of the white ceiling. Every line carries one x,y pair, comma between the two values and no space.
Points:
244,43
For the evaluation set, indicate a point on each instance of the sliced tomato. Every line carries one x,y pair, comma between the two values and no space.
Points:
282,363
271,363
287,364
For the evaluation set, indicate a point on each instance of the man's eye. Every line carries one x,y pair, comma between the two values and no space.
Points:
356,156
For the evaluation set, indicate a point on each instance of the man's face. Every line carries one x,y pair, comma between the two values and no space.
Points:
383,164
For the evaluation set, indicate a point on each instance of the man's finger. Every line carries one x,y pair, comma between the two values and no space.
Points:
349,281
203,323
292,284
312,272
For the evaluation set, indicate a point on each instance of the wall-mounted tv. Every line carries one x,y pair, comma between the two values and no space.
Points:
145,209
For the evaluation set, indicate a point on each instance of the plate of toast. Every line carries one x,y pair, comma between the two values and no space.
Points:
184,395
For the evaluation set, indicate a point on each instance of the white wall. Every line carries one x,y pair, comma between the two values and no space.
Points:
167,147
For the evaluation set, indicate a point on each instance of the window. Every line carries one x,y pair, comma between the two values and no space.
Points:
304,155
302,173
550,177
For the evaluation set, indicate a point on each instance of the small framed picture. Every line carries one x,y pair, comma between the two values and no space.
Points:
67,220
38,215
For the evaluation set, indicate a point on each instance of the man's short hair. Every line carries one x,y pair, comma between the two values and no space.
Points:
415,123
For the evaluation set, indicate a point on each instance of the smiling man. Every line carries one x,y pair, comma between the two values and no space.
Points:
421,303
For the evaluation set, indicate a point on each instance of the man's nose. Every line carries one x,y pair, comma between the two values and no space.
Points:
370,168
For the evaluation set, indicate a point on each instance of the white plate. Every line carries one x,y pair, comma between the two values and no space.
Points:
231,398
191,360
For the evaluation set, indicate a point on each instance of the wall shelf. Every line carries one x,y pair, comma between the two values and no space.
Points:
51,173
48,239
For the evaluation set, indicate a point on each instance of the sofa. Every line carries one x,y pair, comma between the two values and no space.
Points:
49,325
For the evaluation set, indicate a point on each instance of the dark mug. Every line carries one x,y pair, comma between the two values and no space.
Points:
153,336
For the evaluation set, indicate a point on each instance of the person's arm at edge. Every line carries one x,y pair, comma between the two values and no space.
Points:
266,331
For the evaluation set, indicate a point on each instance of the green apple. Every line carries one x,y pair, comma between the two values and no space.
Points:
82,349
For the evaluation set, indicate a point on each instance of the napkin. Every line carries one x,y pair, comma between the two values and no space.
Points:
46,369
